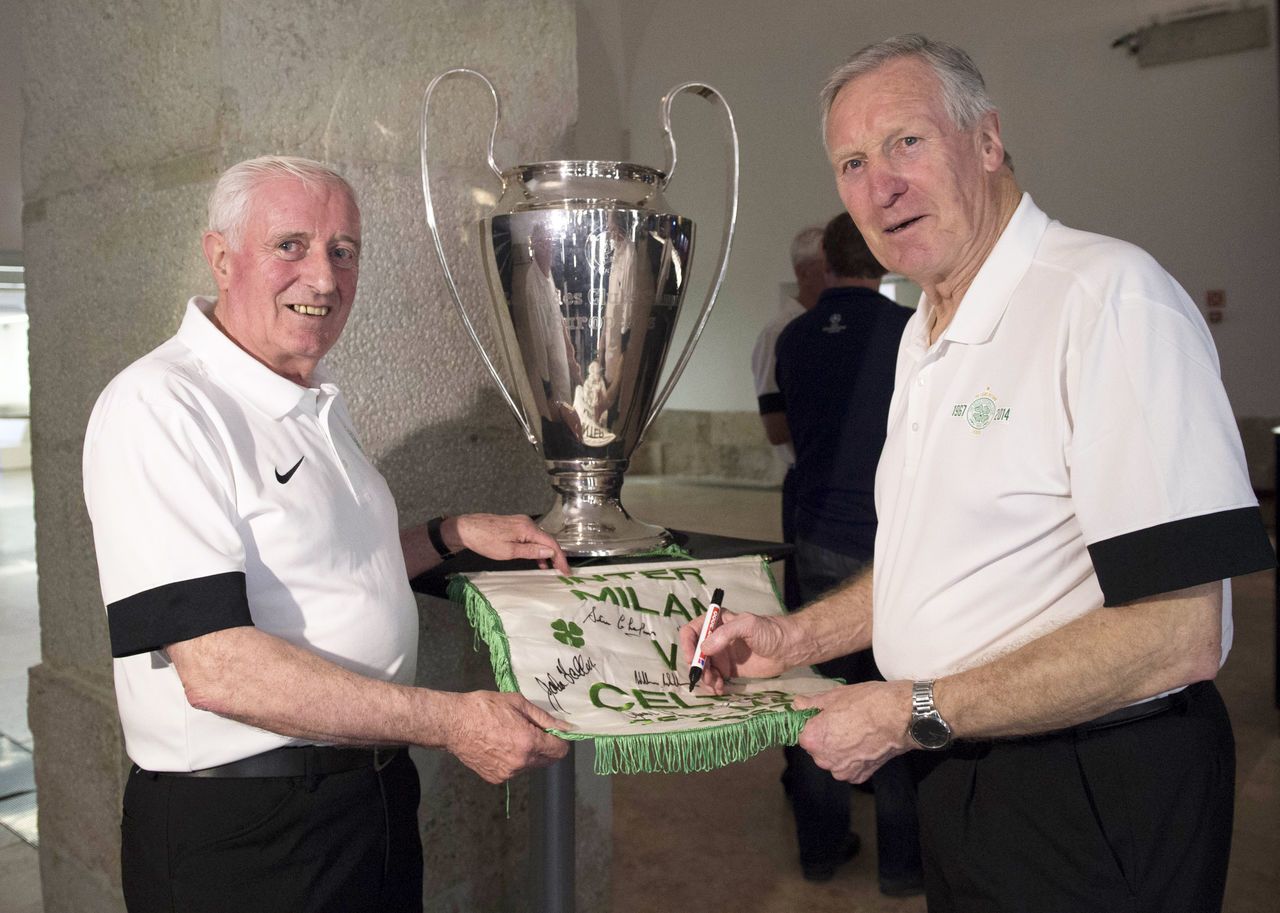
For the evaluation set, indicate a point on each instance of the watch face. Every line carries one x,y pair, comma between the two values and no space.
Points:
930,732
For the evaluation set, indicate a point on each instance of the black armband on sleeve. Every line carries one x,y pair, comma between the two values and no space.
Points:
178,611
1181,554
771,402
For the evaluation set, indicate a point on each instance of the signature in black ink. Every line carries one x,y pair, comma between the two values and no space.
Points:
634,628
552,687
595,616
580,667
669,679
563,676
629,625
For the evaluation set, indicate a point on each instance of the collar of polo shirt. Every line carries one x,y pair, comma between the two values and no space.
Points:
988,296
270,393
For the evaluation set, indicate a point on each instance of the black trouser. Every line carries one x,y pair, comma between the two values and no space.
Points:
342,842
821,803
1134,818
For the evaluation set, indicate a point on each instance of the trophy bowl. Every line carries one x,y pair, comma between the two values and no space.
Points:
586,266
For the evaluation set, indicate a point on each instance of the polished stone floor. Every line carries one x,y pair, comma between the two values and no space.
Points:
733,822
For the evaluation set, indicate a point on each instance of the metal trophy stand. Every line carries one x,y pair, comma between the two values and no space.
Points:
552,806
552,810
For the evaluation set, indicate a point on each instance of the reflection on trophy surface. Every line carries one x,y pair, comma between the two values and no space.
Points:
587,267
538,320
592,311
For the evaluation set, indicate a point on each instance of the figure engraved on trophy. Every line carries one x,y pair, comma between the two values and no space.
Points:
586,267
591,403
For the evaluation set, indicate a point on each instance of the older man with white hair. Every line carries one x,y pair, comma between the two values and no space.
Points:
1062,499
257,594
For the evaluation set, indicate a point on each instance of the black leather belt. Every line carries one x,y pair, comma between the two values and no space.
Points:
296,761
1135,712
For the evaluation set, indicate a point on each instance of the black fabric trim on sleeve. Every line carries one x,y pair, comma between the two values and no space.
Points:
175,612
1182,553
771,402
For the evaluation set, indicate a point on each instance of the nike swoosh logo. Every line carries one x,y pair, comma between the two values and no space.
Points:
289,475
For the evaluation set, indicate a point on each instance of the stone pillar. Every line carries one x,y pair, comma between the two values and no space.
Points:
133,108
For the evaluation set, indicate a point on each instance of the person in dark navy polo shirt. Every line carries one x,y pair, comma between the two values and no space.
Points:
257,590
835,379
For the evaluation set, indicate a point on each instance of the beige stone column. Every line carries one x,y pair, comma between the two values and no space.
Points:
133,108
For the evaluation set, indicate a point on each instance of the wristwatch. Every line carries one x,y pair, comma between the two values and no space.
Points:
927,727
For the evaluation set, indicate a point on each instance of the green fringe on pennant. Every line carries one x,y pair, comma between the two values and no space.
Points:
487,625
698,750
664,551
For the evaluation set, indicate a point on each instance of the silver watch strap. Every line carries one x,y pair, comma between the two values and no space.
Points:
921,697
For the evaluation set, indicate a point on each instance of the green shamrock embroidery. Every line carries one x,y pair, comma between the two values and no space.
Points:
568,633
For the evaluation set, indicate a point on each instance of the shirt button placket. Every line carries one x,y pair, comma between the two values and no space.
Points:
917,408
325,422
915,401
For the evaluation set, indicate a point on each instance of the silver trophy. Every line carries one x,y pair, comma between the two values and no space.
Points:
587,266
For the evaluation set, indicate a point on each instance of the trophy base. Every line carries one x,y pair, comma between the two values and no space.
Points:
588,518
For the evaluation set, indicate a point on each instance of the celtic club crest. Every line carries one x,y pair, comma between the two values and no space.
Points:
981,411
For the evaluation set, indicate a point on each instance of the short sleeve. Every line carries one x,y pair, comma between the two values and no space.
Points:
1158,476
160,491
762,368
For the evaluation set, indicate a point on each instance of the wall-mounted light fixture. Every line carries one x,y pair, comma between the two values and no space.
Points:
1199,31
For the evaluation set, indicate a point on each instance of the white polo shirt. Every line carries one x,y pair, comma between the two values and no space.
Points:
224,495
1067,441
764,363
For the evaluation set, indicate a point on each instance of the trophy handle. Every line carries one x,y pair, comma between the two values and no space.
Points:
712,95
435,233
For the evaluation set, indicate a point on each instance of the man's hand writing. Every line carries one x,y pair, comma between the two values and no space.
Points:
742,645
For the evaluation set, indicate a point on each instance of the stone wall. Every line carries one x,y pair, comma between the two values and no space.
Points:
729,447
133,108
722,447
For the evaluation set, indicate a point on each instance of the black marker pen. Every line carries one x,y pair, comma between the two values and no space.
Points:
708,622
